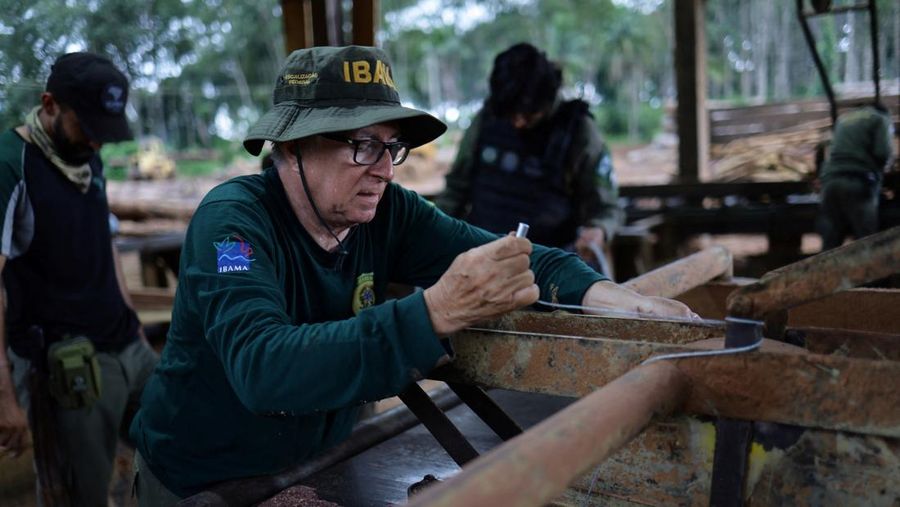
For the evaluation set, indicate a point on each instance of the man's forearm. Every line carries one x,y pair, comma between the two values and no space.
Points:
6,384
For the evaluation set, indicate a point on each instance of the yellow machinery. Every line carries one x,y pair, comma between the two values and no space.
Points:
151,161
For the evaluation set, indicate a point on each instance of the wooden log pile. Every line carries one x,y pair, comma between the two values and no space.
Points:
786,155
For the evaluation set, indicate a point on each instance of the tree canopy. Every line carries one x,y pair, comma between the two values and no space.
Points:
205,68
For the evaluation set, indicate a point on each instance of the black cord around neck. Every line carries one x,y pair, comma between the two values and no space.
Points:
342,252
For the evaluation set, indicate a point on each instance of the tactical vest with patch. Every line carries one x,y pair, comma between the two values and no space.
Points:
521,176
60,273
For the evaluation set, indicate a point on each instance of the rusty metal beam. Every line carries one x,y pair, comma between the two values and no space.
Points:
535,467
856,263
810,390
680,276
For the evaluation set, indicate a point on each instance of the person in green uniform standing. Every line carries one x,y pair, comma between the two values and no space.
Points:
281,329
531,156
861,149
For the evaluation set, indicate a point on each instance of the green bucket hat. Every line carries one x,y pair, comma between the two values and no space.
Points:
333,89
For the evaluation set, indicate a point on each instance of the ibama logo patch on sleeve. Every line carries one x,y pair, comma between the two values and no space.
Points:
233,254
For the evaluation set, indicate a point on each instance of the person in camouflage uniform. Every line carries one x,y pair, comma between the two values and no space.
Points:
530,156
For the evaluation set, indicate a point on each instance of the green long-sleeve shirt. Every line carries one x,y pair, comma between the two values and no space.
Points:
590,177
862,143
274,342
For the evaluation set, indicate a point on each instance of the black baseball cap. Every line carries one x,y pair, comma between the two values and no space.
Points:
96,90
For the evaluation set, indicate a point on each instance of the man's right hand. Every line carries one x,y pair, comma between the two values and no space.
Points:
13,426
485,282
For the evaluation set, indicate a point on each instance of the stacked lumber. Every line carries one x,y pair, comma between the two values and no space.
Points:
785,155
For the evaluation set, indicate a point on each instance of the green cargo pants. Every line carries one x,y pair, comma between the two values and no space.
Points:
150,492
88,436
849,206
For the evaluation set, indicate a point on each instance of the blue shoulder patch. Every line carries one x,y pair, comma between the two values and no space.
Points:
233,254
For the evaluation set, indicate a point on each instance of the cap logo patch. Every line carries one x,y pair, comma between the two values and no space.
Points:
360,71
364,293
233,254
300,79
112,99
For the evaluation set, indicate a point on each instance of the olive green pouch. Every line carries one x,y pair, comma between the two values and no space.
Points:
74,373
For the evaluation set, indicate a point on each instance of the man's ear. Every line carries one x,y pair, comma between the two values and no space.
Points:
49,104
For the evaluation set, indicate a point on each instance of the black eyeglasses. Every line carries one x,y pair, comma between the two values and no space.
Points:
369,151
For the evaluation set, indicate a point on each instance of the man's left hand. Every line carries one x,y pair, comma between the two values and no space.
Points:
612,297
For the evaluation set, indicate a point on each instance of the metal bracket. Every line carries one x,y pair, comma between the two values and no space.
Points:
733,437
487,409
445,432
439,425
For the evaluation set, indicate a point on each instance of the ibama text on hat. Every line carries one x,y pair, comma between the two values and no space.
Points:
360,71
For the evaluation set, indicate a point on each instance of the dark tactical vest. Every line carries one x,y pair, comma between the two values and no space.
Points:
520,176
66,279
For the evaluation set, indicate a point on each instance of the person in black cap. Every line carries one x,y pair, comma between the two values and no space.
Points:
70,339
281,328
530,156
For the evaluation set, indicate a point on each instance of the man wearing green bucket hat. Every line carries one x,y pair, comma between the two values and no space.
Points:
281,329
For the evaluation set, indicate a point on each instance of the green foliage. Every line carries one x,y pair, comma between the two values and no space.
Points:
118,151
194,168
613,121
196,65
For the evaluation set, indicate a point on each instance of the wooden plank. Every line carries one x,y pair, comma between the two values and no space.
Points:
861,261
847,343
809,390
536,467
684,274
152,298
734,123
670,462
870,310
744,189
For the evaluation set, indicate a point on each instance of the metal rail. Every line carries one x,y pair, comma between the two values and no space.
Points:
828,392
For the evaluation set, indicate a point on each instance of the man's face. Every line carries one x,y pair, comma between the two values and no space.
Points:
71,144
345,192
524,121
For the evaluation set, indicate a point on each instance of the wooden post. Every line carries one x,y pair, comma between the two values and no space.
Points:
690,78
320,28
364,22
296,18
